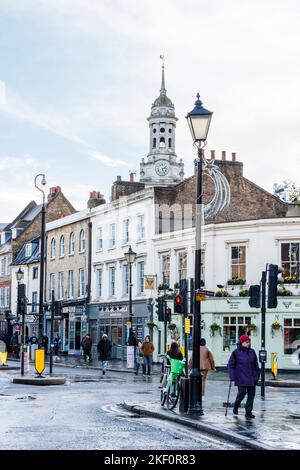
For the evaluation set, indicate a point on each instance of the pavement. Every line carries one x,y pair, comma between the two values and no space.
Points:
277,422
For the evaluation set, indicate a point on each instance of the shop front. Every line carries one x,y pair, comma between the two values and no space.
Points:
113,320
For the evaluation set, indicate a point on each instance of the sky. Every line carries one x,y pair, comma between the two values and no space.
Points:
78,77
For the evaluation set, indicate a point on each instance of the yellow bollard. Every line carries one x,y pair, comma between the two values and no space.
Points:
39,360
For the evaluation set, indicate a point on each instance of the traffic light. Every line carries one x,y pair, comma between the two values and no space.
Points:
160,303
22,301
183,290
273,282
168,313
254,296
57,308
178,304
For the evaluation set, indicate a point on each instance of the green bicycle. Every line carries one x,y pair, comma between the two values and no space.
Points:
170,393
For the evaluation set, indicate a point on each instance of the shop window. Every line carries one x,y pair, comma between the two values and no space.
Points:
291,335
233,328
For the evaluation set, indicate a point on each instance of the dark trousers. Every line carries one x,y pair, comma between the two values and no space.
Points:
87,353
242,392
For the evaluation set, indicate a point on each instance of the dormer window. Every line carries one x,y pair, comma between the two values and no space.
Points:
28,250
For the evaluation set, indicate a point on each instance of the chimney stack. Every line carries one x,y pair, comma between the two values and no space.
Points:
233,155
119,178
53,191
96,199
131,176
223,155
212,154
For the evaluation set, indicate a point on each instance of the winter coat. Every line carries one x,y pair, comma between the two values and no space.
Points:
243,367
207,360
132,341
104,349
86,343
147,348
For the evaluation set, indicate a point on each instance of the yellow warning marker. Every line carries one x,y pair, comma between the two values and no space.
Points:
3,358
39,360
274,364
187,326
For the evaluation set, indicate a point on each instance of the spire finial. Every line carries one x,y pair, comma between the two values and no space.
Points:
163,87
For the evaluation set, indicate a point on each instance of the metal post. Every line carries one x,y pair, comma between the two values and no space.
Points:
23,328
130,295
195,402
165,328
263,329
51,332
42,264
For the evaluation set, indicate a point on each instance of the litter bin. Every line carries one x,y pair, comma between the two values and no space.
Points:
184,394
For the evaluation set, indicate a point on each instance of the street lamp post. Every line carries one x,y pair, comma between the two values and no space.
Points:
21,300
42,261
199,120
130,258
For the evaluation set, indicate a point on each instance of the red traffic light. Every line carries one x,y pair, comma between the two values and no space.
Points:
178,299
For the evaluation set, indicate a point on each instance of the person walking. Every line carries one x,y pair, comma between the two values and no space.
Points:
86,345
45,341
147,349
104,349
207,363
243,369
56,345
139,357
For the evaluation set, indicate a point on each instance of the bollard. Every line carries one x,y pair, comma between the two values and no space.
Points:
184,394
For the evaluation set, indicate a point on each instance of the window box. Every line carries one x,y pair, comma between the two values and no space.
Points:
236,281
221,293
284,292
234,290
293,288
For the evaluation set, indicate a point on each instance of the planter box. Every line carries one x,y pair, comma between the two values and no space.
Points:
294,288
234,291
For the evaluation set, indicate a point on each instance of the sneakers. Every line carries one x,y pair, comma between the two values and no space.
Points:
103,372
249,416
235,411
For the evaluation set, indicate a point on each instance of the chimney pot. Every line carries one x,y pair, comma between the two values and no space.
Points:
223,155
119,178
233,156
131,176
212,154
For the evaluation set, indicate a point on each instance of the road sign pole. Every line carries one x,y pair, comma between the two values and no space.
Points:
263,330
51,332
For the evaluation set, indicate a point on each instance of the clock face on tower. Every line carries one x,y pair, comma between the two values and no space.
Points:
162,168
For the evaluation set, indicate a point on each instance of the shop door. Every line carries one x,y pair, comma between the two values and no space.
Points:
116,336
74,336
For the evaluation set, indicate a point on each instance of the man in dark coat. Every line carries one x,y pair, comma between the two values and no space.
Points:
243,369
104,349
45,341
86,345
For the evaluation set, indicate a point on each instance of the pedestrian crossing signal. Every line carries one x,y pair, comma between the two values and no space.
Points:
178,304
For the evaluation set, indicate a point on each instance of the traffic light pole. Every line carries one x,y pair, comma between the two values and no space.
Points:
51,332
263,329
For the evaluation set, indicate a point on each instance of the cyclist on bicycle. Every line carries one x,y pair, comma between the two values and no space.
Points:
173,353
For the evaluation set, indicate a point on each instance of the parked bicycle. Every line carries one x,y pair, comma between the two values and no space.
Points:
170,394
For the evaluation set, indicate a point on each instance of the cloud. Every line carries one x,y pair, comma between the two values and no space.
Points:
107,161
2,93
8,162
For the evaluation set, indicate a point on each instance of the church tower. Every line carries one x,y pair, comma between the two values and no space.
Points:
161,167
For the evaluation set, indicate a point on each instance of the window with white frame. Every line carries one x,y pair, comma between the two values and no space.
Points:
112,281
238,262
60,285
140,227
71,284
34,302
7,296
8,262
72,244
35,273
165,269
52,248
182,265
140,277
81,283
125,278
99,239
126,231
99,274
2,296
290,260
81,241
2,267
112,235
51,285
292,337
62,246
28,250
233,327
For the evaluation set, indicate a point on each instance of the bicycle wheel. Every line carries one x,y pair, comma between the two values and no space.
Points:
163,397
173,395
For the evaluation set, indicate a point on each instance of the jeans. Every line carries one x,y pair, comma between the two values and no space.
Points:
104,365
242,392
147,363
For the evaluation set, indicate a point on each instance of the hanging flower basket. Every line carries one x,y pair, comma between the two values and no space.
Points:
151,325
213,328
172,326
163,287
276,325
251,327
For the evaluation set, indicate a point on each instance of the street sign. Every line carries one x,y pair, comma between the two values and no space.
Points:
150,282
209,293
262,355
274,364
200,297
31,318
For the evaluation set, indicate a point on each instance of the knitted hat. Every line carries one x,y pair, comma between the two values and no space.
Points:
244,338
